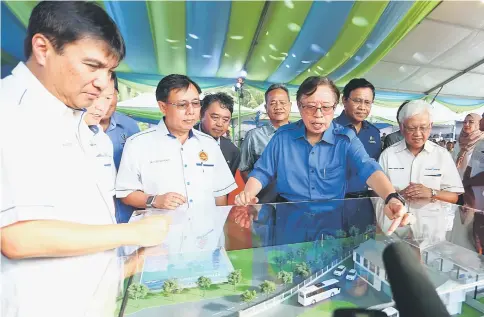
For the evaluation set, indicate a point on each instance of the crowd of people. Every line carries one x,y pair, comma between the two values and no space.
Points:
73,174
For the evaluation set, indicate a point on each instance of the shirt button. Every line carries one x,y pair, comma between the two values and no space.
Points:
191,200
188,183
312,152
312,188
186,165
312,171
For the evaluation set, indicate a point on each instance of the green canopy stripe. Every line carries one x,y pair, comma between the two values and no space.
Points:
244,18
22,10
362,19
417,13
168,28
278,33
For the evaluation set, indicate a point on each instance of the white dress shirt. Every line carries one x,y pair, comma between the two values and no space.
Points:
433,167
155,162
102,153
47,174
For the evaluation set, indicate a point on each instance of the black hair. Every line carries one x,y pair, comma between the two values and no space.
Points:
222,98
171,82
114,78
400,109
64,22
310,84
356,83
274,87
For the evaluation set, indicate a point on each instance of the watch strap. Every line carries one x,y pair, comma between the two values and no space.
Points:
396,196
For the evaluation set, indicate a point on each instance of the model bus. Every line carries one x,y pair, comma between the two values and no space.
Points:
319,291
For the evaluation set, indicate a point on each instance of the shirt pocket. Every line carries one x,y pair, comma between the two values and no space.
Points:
157,171
432,178
332,178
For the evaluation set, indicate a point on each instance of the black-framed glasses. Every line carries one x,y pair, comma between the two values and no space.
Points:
422,129
360,102
184,104
312,108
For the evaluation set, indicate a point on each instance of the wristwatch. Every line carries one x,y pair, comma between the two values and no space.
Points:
396,196
434,192
150,201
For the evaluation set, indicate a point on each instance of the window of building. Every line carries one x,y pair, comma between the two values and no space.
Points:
378,270
372,267
357,258
365,263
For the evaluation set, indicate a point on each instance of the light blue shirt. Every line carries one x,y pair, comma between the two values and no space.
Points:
319,172
120,128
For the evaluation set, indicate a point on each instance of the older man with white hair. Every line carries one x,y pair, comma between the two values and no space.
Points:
418,168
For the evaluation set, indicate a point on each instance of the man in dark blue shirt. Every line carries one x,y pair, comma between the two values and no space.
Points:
358,97
310,159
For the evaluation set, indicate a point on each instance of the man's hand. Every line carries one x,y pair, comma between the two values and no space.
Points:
245,198
416,191
169,201
397,212
152,230
243,216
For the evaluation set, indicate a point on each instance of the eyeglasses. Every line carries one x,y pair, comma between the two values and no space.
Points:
412,130
312,108
183,104
275,103
359,101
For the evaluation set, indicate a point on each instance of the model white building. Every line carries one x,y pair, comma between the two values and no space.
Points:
446,266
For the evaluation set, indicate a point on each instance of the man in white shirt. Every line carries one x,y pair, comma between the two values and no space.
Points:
101,145
474,174
417,167
57,232
174,165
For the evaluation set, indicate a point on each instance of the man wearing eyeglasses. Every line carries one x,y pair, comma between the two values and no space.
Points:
278,107
309,159
174,165
358,96
418,168
216,113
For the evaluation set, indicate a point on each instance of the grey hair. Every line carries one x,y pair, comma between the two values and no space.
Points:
413,108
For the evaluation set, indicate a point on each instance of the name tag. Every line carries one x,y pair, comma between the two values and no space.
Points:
205,165
159,161
396,168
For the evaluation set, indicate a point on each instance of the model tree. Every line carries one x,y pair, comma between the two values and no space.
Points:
267,287
235,278
137,291
279,261
354,231
285,277
204,283
303,270
301,253
290,258
248,296
171,287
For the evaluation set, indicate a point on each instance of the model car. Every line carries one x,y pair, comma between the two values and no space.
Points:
340,270
351,275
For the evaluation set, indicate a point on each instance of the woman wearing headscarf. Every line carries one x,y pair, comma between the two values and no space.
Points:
468,139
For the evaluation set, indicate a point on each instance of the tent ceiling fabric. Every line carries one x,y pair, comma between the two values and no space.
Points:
403,46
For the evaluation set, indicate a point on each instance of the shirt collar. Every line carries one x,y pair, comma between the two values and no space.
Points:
199,127
164,130
49,102
112,122
344,120
300,132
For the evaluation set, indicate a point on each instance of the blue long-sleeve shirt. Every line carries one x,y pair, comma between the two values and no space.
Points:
319,172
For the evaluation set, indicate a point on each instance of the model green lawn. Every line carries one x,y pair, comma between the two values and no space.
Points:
241,259
244,260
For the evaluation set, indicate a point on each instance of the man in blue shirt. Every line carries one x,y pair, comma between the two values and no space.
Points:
311,159
119,127
358,96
